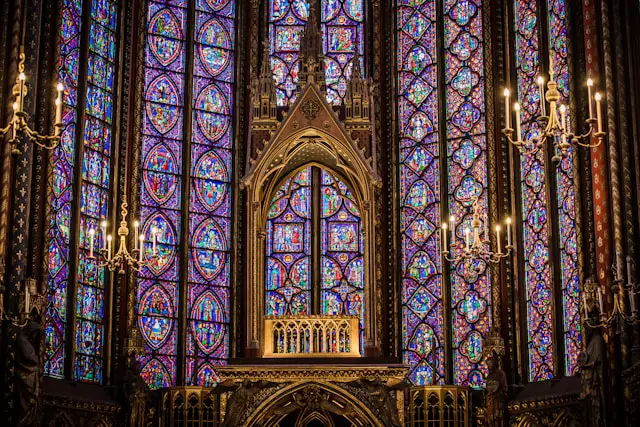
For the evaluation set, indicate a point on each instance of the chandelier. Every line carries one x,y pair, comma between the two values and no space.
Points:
477,243
618,316
18,125
135,258
554,125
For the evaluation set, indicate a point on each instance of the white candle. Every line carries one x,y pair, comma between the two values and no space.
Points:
589,86
109,238
632,300
507,113
452,227
92,234
584,305
59,104
14,121
629,270
136,226
103,225
599,111
141,248
541,90
20,100
516,108
563,116
467,235
509,232
444,237
498,239
600,300
27,296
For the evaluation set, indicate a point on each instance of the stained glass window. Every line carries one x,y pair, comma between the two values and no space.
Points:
342,24
288,270
98,58
290,260
467,176
422,293
342,263
566,197
209,151
422,141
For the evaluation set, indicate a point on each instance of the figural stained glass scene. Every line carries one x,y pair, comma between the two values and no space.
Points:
320,212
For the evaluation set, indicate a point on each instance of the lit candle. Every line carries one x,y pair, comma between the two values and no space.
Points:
589,86
563,117
599,111
109,238
136,226
27,296
467,235
600,300
20,100
141,248
92,234
507,113
498,239
59,104
103,225
444,237
584,304
541,90
509,232
14,122
516,108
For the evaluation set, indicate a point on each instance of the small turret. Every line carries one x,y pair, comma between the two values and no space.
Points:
356,100
264,91
311,55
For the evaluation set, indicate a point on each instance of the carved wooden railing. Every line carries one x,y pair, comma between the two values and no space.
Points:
439,406
190,407
312,336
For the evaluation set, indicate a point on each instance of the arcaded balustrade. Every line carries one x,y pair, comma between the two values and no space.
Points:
312,336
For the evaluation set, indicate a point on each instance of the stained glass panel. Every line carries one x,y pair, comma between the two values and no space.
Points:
467,181
534,199
343,34
288,268
566,197
422,309
208,289
160,190
64,162
342,24
94,190
342,246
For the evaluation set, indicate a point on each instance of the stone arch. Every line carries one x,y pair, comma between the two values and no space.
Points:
316,400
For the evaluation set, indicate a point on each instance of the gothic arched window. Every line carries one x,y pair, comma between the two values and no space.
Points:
540,232
185,190
79,293
438,142
314,248
342,24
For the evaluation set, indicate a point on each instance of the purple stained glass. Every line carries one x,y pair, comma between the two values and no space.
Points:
342,24
534,200
209,272
343,35
422,292
288,248
566,197
341,245
160,190
59,238
467,181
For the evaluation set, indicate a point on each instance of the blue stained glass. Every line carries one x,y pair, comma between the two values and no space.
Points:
95,186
